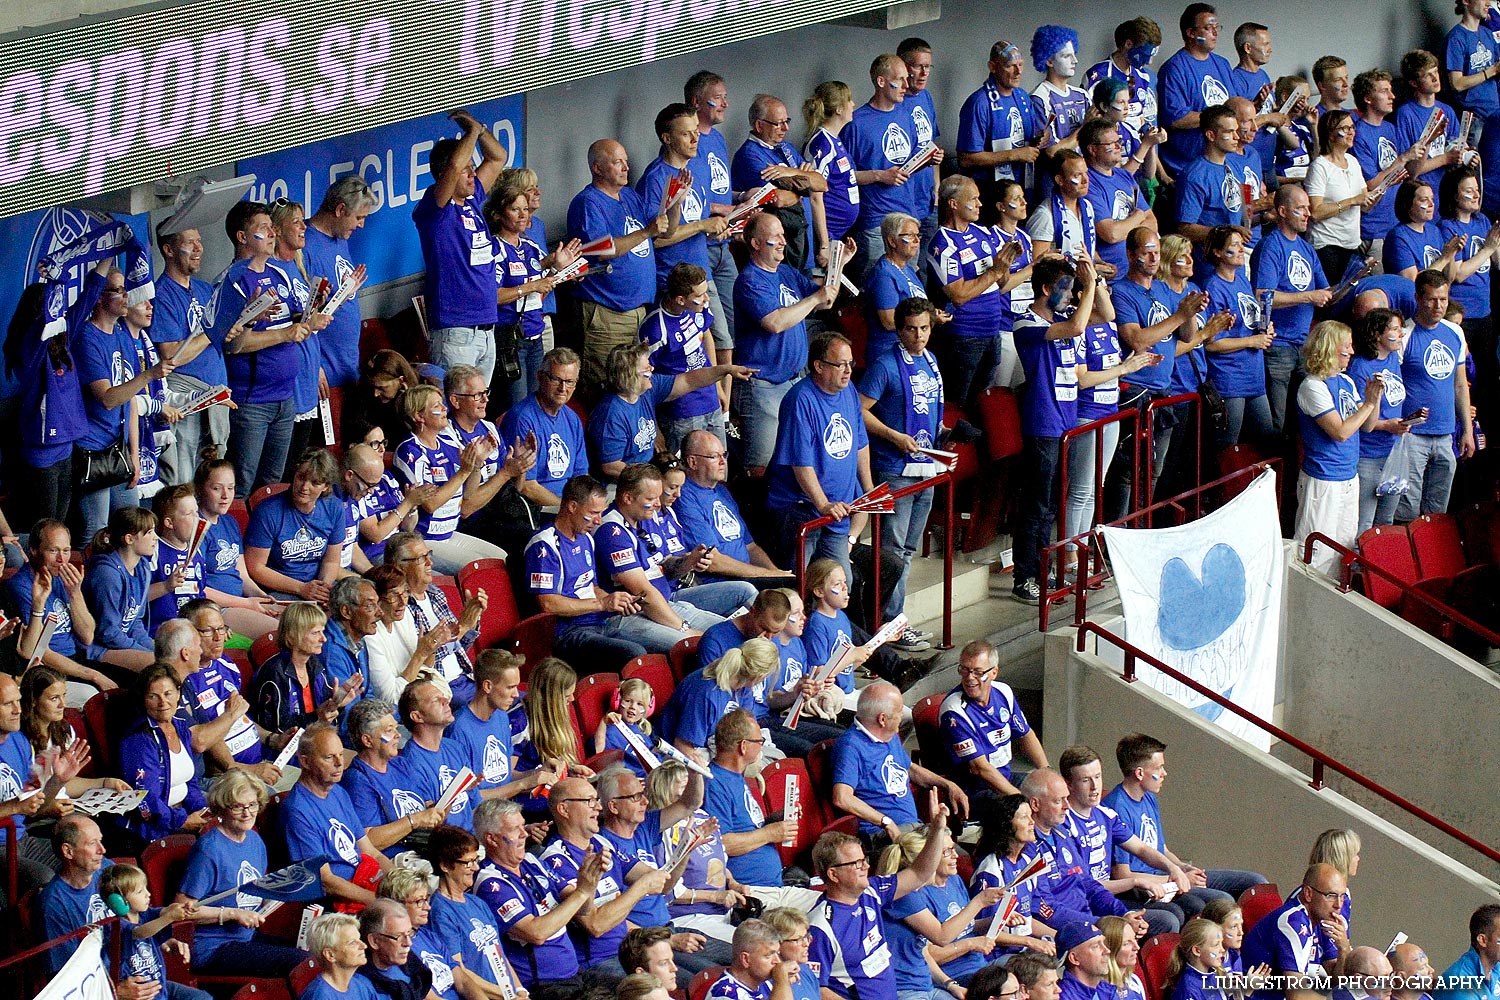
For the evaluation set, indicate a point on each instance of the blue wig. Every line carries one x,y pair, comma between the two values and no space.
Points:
1048,41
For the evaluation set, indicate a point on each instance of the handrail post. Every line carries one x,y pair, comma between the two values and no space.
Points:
875,517
948,565
1317,775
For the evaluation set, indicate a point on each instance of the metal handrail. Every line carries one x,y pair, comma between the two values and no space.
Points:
1134,655
1348,557
941,479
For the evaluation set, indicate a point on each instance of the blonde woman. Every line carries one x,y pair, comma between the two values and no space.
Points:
548,736
1124,948
1331,414
705,696
826,112
1339,848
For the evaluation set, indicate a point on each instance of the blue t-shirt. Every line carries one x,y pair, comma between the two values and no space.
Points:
511,898
1147,307
1411,122
728,799
430,771
222,547
1049,403
360,988
885,286
1378,444
178,316
63,641
1292,161
1375,149
1468,53
16,758
879,140
466,927
416,464
695,206
717,640
924,123
561,453
943,902
460,257
962,255
110,357
621,431
1289,266
779,357
328,827
1209,194
821,635
677,347
268,375
64,908
824,432
487,745
1187,84
908,394
841,200
712,517
642,848
1142,819
1239,373
1249,85
1428,362
381,796
338,342
878,772
557,564
696,706
1407,247
990,121
712,164
631,284
1473,293
849,947
214,865
1323,457
297,541
1114,195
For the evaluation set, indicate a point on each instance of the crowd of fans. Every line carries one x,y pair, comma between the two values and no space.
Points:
1199,228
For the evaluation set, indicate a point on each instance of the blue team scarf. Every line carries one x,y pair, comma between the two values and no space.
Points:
105,238
1085,218
920,425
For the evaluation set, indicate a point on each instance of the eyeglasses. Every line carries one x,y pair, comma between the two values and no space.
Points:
843,366
804,939
637,797
592,801
558,380
378,444
469,862
419,901
405,938
974,671
424,557
209,633
783,123
761,740
362,480
481,394
721,456
244,807
860,863
1332,897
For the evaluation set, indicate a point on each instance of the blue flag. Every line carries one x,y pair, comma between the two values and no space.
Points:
298,883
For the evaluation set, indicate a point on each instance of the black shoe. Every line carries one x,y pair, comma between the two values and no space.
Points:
962,432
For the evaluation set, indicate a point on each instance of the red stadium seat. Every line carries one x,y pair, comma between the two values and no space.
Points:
1232,459
260,989
263,649
704,981
163,861
108,716
1000,419
1389,548
533,639
930,744
269,490
591,702
451,594
814,816
600,761
76,722
852,324
683,657
302,976
1436,543
1155,954
373,337
500,614
1423,615
241,659
820,768
240,513
655,671
1259,900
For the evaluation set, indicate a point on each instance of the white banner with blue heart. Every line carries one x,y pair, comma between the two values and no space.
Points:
1205,598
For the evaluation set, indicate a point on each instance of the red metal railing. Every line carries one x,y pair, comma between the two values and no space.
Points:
942,479
1347,560
1134,656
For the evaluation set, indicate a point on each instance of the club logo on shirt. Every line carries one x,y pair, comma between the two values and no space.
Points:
1438,361
753,807
1124,204
496,760
445,775
645,433
10,783
247,873
642,249
896,144
1249,309
559,459
692,206
1234,196
1395,389
226,555
718,174
194,316
787,296
1017,127
442,972
921,123
725,523
963,748
341,838
1214,92
1347,401
1475,244
1298,271
1148,832
482,934
1385,152
894,775
1159,312
97,910
838,437
406,802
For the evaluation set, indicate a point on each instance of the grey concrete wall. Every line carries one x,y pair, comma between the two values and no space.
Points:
1226,805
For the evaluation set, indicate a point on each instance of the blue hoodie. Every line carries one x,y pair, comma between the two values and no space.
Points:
117,600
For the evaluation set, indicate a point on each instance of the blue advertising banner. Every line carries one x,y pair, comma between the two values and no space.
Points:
393,161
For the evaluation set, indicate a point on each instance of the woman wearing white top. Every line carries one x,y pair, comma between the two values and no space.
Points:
1336,190
397,656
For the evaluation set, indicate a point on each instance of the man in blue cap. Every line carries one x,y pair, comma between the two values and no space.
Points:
1085,957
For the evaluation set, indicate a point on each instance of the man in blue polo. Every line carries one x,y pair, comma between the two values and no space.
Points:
1432,368
1193,79
983,724
1286,939
822,458
677,128
346,203
614,303
1284,263
711,516
1483,957
765,157
459,282
1209,191
772,300
997,128
319,820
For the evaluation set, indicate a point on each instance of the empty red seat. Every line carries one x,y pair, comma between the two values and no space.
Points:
1000,419
820,768
301,977
930,743
109,715
269,490
683,657
1437,546
591,702
1476,526
500,614
263,649
1389,548
1259,900
1423,614
814,813
163,861
1155,954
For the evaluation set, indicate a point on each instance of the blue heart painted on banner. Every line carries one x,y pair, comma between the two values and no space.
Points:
1195,610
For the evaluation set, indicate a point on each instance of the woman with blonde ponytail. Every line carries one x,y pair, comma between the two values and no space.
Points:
826,112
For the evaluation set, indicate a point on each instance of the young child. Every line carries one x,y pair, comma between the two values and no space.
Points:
123,889
1227,914
635,703
1199,955
176,510
827,622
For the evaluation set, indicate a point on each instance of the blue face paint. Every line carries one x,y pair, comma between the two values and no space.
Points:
1141,55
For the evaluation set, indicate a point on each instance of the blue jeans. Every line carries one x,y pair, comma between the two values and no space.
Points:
723,271
723,598
719,309
1430,470
96,507
929,228
179,991
1081,477
758,403
655,637
1039,465
901,533
1282,360
260,435
1256,410
822,543
675,431
1374,509
256,957
465,345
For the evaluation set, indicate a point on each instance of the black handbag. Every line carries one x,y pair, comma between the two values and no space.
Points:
104,468
1215,410
508,350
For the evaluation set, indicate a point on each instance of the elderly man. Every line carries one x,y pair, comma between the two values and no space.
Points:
530,912
1066,891
1085,957
1372,969
179,645
210,691
772,300
346,203
755,971
1287,939
710,516
71,900
596,929
749,841
552,430
983,724
1483,957
1286,265
502,472
822,459
378,506
999,135
429,761
459,285
767,156
353,612
319,820
392,969
873,775
635,832
849,947
377,784
614,303
429,608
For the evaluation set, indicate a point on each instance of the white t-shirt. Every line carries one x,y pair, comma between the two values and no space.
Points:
1325,180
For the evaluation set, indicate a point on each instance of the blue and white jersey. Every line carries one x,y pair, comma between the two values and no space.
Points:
1098,349
996,870
561,861
1292,161
1141,86
962,255
1017,302
514,896
849,948
207,691
677,347
989,730
459,279
1429,359
455,433
726,987
908,394
879,772
1285,939
1062,110
557,564
621,547
1097,834
515,266
1049,406
267,375
826,152
990,121
417,464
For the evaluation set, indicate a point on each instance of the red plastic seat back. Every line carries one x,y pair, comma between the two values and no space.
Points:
533,639
163,861
263,649
501,614
814,816
1259,900
820,768
683,657
1155,954
1437,546
591,702
1000,415
269,490
1389,548
702,982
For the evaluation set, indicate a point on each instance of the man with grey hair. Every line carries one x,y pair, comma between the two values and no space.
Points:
756,961
529,909
378,507
545,417
380,790
179,646
767,156
983,724
346,203
392,969
710,515
429,609
353,613
209,693
873,775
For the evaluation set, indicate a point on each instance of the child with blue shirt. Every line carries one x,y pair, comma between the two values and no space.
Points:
1196,961
118,590
123,889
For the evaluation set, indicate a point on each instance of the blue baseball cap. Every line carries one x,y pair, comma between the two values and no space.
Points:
1076,933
